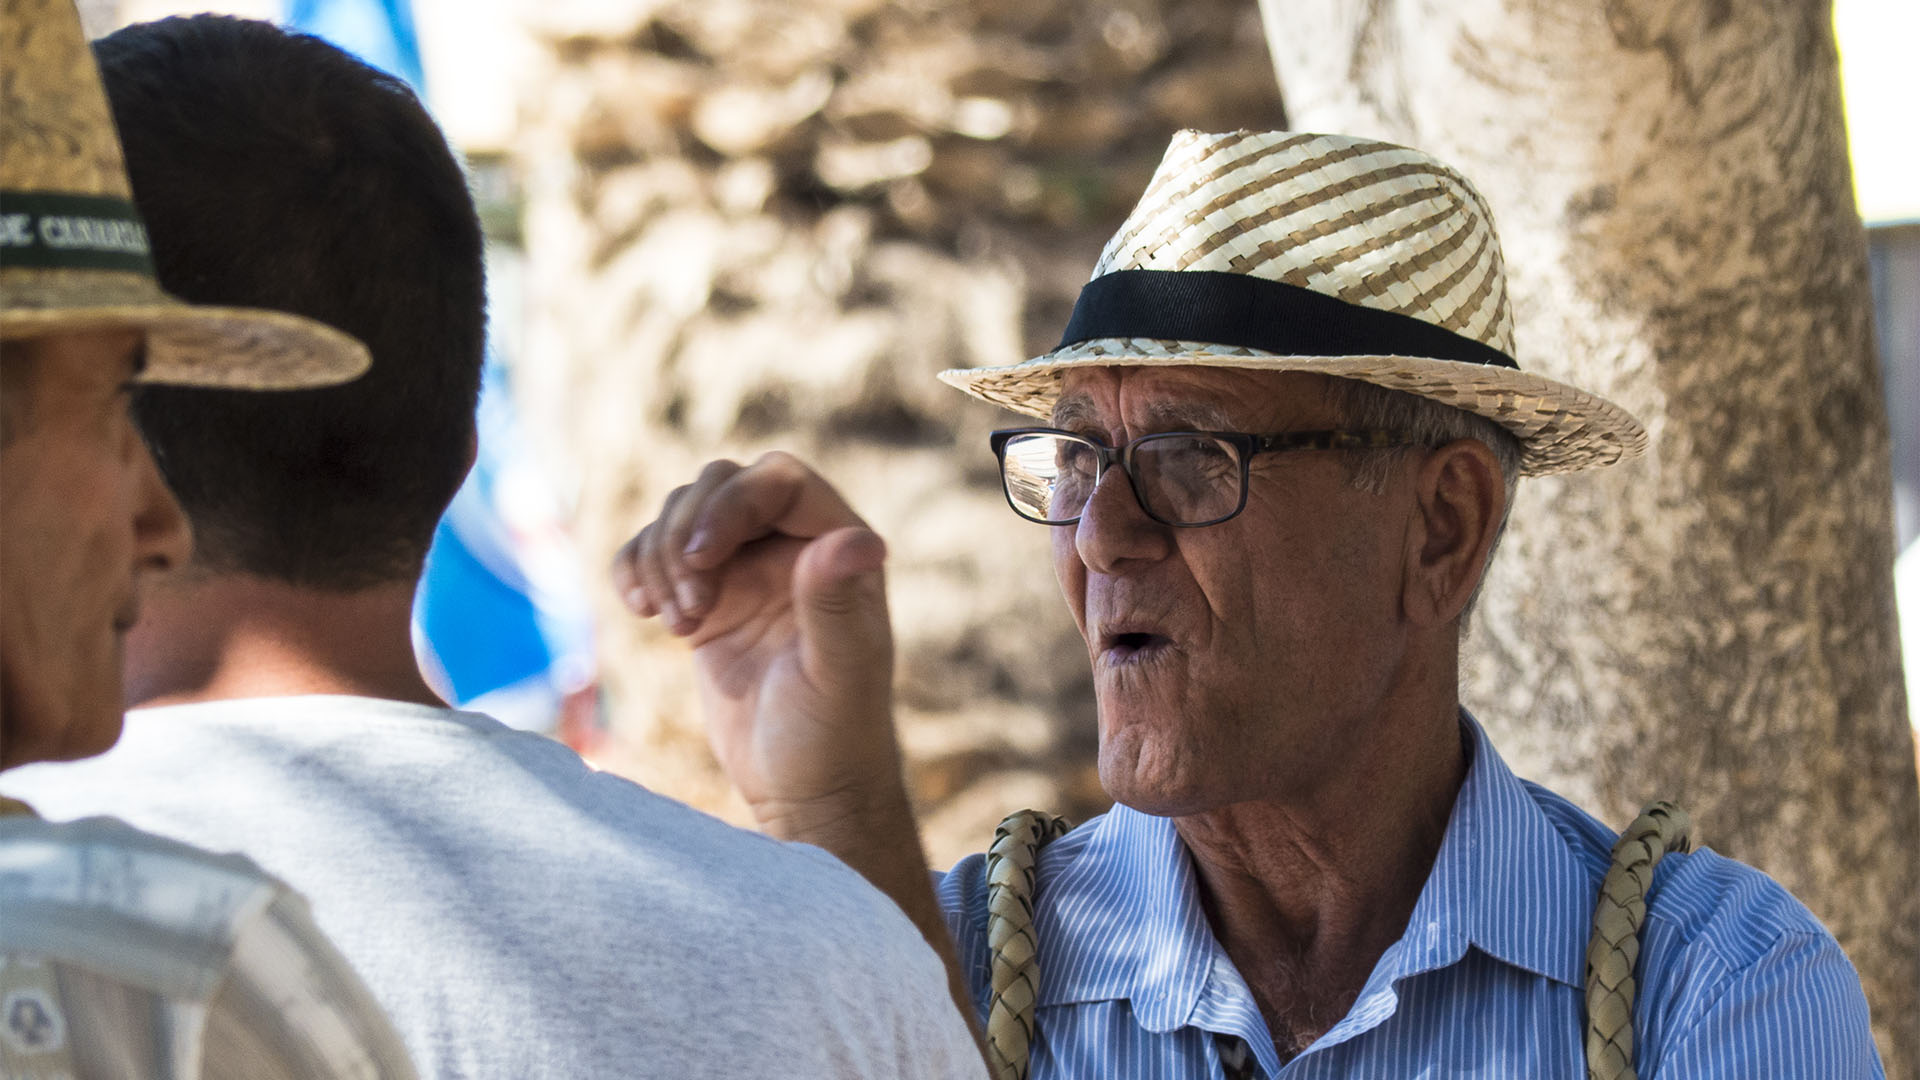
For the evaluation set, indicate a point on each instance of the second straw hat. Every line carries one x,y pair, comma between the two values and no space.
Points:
73,251
1283,251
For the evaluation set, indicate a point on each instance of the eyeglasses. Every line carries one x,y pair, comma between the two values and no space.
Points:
1182,478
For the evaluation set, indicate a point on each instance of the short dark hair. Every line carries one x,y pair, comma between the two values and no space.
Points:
276,171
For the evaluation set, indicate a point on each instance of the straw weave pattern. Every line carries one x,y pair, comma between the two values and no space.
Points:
1369,223
57,135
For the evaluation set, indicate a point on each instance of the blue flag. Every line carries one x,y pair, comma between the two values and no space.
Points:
377,31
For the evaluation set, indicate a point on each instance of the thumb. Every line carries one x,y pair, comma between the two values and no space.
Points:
840,606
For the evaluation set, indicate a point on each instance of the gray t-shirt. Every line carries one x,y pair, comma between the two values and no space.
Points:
518,914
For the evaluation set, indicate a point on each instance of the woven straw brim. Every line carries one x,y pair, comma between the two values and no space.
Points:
187,345
1560,428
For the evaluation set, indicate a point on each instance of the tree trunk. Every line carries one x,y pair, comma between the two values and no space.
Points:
768,223
1712,624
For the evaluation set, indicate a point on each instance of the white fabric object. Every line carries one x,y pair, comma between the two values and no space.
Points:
518,914
128,956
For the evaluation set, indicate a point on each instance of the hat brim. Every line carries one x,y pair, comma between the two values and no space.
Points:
1560,428
187,345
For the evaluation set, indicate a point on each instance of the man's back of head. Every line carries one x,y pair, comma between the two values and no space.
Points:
276,171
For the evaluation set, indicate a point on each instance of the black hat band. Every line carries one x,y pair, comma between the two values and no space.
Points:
1240,310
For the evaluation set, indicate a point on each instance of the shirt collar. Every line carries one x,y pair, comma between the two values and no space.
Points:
1506,879
1121,917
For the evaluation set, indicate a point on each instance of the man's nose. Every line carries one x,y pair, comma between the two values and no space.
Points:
1114,530
162,536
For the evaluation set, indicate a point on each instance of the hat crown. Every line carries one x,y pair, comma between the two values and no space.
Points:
1367,222
73,252
56,131
1330,254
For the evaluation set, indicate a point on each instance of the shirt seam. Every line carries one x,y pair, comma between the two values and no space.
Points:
1728,974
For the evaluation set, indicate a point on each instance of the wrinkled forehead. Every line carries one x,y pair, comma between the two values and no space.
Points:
1203,398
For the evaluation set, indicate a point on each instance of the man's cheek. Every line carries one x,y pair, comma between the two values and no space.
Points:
1072,579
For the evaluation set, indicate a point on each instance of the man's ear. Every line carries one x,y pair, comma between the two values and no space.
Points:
1462,499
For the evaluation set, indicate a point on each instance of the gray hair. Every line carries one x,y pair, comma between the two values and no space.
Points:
1423,422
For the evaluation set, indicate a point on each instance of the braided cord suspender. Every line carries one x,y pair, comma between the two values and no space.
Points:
1611,952
1010,938
1615,944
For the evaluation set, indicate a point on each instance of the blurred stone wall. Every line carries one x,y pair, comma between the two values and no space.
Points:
754,224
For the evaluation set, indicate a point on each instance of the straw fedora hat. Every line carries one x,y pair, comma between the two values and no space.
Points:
73,252
1293,252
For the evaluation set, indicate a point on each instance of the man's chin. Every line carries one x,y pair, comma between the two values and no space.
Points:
1159,787
91,735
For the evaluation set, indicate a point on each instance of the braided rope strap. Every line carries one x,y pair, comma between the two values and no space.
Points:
1615,945
1010,938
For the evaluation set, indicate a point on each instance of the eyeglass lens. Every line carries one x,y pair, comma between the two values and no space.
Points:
1179,478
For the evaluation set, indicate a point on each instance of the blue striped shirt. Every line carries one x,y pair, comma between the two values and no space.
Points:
1736,978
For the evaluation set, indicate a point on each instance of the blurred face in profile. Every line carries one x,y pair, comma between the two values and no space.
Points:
84,515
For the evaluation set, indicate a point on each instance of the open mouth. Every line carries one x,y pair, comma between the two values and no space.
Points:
1133,646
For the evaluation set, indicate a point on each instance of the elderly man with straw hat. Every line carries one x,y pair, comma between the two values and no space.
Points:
123,954
1275,448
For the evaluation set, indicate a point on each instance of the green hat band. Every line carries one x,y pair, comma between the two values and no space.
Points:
57,231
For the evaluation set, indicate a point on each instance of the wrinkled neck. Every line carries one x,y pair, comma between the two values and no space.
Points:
1306,896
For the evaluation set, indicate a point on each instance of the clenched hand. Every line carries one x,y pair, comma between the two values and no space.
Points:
778,585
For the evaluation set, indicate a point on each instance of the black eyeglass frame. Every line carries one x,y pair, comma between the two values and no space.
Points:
1247,444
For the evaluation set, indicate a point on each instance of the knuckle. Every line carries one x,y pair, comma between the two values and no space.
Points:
781,462
719,469
621,566
676,530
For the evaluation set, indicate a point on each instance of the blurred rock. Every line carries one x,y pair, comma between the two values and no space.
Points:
982,117
1081,128
1194,95
754,224
850,167
739,119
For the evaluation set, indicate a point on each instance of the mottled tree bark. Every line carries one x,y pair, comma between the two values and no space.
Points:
768,223
1713,624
